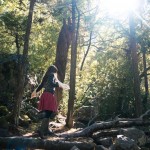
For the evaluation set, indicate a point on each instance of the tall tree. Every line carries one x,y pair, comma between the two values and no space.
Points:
143,43
134,56
64,41
69,120
23,65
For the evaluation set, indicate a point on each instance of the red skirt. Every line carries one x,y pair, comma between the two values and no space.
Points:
47,102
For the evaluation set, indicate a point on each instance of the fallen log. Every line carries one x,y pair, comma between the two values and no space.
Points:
35,143
68,142
116,123
106,133
88,131
111,133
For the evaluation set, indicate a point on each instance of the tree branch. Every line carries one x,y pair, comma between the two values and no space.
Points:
85,55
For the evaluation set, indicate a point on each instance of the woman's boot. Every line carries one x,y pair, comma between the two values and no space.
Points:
44,128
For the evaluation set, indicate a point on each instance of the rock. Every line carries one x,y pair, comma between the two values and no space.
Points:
107,142
85,114
23,123
74,148
79,125
125,143
4,132
3,123
144,148
100,147
137,135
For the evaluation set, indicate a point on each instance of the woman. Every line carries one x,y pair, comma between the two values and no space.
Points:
48,103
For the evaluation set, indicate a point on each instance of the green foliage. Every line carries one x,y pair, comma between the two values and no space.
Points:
109,84
13,26
114,82
13,22
61,10
3,111
43,37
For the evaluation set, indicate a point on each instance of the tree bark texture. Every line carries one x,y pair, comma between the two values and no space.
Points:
133,48
64,41
69,120
23,66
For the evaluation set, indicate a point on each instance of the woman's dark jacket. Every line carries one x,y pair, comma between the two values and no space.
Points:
48,84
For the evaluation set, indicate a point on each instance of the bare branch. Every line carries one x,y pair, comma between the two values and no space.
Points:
86,51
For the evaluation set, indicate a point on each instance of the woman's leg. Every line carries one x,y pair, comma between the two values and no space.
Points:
48,115
44,128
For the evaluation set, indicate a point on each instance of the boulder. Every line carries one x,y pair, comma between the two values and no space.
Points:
137,135
107,142
4,132
101,147
125,143
74,148
4,123
85,114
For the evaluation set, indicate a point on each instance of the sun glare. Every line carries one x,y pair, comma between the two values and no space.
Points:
117,7
120,6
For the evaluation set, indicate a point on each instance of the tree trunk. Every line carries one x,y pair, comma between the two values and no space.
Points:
23,66
34,143
64,41
133,48
17,43
69,120
145,80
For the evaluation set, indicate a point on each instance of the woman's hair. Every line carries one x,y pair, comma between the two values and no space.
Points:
51,69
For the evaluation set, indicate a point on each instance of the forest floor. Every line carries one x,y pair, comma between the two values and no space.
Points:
78,135
28,137
57,126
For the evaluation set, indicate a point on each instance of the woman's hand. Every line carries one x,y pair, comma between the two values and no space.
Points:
34,94
56,78
61,85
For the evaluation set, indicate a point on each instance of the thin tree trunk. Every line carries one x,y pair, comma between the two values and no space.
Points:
142,74
145,80
23,66
17,43
133,48
69,120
